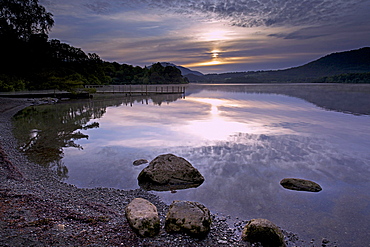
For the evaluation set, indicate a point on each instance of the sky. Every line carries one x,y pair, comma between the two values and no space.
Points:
212,36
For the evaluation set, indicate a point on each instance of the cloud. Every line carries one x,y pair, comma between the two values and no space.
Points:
99,6
304,33
243,13
254,13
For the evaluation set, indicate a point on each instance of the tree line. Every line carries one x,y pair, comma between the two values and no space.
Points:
29,60
347,78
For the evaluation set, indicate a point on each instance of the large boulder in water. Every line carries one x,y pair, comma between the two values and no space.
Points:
263,231
143,217
192,218
169,172
300,185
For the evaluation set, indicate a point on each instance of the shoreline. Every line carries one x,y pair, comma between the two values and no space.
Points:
37,209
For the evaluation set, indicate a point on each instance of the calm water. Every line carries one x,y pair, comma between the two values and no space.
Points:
243,139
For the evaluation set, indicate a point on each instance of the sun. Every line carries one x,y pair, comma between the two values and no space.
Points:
215,59
215,53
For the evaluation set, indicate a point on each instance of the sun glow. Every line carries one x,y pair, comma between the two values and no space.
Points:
215,60
216,35
210,63
220,39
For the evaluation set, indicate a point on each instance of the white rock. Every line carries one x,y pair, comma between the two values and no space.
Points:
143,217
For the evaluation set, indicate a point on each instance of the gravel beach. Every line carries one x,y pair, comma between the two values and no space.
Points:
38,210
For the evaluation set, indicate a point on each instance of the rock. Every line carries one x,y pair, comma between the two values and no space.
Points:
264,232
192,218
140,162
169,172
143,217
300,184
60,227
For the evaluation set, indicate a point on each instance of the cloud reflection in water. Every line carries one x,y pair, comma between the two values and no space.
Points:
189,122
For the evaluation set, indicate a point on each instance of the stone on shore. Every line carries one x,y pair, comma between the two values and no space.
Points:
143,217
187,217
169,172
300,185
263,231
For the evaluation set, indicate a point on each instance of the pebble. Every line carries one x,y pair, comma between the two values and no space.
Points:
61,227
325,241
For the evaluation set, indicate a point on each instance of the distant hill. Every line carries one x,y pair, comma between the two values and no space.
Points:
349,66
184,71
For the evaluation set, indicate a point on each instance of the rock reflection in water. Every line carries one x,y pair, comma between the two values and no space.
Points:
168,187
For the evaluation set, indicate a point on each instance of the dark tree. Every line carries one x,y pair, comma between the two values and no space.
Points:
24,25
22,18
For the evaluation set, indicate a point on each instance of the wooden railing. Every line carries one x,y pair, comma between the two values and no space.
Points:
139,89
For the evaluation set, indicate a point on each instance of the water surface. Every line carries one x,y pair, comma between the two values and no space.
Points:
243,139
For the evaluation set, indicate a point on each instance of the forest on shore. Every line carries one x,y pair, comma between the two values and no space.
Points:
30,61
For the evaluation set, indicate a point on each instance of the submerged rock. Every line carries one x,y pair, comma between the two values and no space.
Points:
168,172
140,162
300,185
192,218
143,217
263,231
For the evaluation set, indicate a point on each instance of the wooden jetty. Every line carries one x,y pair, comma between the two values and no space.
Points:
131,90
125,90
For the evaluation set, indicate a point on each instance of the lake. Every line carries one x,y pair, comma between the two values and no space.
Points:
244,139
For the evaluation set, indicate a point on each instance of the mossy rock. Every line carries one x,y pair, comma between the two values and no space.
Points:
263,231
187,217
169,172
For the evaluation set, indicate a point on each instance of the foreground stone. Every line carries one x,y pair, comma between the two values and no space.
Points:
143,217
192,218
263,231
169,172
300,185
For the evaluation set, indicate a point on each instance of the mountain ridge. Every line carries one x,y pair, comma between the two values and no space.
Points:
184,71
347,66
